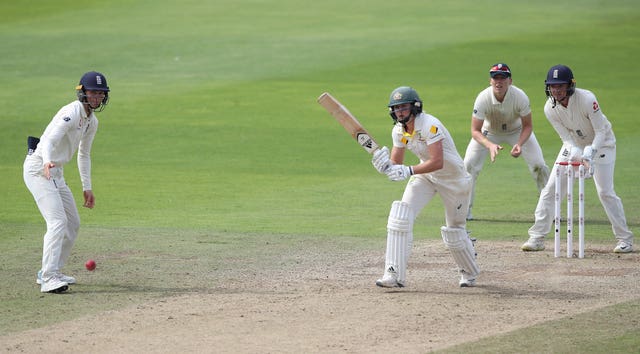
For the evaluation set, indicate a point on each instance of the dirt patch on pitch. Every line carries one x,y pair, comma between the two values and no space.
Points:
327,302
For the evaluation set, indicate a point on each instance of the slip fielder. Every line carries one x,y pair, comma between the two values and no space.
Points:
502,114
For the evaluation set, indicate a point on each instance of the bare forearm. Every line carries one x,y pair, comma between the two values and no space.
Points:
428,166
524,135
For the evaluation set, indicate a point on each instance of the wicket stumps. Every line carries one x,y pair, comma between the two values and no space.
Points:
568,167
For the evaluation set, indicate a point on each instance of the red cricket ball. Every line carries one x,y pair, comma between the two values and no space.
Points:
90,265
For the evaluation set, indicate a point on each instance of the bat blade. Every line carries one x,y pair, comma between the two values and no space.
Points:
349,122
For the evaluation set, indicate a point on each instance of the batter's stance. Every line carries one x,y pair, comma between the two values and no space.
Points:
440,170
502,114
586,136
71,129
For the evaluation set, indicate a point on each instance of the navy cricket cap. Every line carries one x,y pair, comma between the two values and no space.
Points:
500,69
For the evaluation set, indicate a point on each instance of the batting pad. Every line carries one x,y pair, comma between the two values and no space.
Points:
399,238
459,243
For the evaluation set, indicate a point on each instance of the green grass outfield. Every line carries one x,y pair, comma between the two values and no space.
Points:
213,141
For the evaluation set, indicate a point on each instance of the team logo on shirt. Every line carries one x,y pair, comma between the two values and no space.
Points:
595,106
66,119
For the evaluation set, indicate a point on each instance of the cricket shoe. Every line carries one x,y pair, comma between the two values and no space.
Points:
466,280
54,285
65,278
389,279
623,247
533,244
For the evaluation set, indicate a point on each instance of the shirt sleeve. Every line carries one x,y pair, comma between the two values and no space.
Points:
436,133
55,132
523,105
479,107
599,121
84,155
397,138
552,117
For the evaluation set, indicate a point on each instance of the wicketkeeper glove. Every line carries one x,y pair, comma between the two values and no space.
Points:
399,172
575,154
587,159
381,159
588,153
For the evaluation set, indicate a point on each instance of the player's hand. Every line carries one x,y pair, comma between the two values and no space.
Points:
516,150
47,167
381,160
89,199
588,153
493,150
399,172
575,154
587,160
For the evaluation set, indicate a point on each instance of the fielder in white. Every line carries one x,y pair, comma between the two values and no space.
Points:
71,129
502,114
441,171
586,136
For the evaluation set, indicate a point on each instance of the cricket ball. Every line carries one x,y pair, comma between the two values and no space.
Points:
90,265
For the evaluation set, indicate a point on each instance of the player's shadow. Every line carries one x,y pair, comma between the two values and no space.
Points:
496,291
129,288
521,221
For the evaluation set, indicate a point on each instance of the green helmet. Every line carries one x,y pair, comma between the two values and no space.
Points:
401,95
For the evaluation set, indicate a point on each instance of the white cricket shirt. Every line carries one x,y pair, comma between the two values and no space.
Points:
582,122
428,130
501,117
69,131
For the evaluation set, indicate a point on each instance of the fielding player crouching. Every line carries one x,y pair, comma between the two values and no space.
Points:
71,129
441,170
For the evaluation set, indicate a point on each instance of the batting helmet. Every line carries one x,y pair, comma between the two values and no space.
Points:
93,81
402,95
560,74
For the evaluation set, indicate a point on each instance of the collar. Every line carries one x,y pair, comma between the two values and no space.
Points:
495,101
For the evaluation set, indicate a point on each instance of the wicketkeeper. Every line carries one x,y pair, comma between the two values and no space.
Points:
71,129
441,171
586,136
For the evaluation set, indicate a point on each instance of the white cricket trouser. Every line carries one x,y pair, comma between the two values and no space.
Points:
454,193
58,207
476,155
603,180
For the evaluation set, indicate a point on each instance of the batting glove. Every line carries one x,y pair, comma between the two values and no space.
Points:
381,160
399,172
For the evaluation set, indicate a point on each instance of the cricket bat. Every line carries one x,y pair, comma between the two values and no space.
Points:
349,122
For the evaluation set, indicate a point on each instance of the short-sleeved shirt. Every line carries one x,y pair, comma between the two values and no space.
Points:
582,122
502,117
428,130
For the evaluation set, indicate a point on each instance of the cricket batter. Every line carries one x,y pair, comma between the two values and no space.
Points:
71,129
586,136
502,114
441,170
